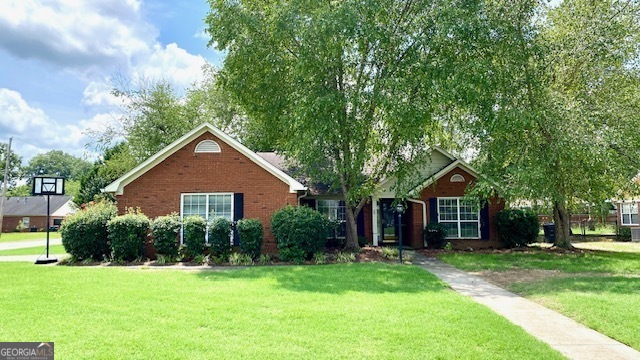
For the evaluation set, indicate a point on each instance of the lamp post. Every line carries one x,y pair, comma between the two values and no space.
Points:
400,210
45,185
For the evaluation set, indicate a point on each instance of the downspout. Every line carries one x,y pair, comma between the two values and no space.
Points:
306,193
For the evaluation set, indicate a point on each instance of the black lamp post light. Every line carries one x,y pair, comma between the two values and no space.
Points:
400,210
46,185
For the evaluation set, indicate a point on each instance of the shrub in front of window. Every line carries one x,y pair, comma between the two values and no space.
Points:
300,232
165,230
127,234
624,233
250,233
517,227
219,237
84,234
195,229
435,235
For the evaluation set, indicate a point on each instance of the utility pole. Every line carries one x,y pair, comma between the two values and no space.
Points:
6,183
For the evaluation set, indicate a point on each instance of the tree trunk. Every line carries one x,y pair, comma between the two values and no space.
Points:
563,225
351,243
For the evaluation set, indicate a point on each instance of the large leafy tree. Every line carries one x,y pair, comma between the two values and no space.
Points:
15,166
352,91
57,163
564,127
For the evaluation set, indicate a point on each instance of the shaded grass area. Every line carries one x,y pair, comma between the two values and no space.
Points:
53,249
333,311
606,304
600,289
590,261
26,236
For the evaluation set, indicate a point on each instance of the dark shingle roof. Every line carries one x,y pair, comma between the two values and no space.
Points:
32,205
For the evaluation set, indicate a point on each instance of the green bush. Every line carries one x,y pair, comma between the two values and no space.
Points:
250,233
435,235
238,259
300,232
127,234
219,237
195,229
165,231
84,234
624,233
517,227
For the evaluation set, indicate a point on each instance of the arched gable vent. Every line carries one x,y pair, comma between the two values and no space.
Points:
457,178
207,146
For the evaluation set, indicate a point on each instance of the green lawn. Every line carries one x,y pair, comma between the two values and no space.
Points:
616,246
291,312
25,236
53,249
599,289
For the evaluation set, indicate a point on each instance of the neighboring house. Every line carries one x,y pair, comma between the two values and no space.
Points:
32,211
208,173
627,212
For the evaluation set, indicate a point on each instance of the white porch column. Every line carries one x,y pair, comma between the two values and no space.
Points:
374,220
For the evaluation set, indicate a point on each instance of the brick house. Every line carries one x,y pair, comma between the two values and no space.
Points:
208,173
32,212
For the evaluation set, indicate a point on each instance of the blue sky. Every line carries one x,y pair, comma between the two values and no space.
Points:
57,59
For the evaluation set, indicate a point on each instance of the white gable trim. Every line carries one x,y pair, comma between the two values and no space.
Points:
443,172
117,187
384,184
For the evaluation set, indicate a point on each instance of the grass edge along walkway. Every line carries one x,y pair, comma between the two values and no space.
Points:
572,339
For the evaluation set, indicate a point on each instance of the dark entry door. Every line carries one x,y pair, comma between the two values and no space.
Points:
389,221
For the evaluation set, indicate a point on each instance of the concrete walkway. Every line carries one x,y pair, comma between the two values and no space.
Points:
29,258
27,244
572,339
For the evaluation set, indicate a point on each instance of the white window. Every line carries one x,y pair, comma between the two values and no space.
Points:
460,217
629,213
208,206
335,211
25,221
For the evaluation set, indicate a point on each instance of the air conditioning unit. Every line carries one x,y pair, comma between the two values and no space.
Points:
635,234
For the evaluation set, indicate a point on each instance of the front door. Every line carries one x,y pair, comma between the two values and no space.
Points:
389,222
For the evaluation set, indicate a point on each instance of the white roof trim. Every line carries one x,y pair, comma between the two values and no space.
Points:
385,181
117,186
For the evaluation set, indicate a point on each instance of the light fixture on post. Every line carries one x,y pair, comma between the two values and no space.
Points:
47,185
400,210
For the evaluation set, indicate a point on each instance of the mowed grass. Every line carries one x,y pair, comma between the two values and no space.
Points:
596,261
598,289
26,236
291,312
37,250
633,247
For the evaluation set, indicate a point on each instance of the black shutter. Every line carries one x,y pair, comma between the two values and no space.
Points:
484,222
238,213
308,202
433,210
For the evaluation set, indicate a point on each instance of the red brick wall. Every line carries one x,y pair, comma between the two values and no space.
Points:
368,227
157,192
443,187
9,223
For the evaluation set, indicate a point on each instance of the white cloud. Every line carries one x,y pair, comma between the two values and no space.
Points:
34,132
80,35
170,63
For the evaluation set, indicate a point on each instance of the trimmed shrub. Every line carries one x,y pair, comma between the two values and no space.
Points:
517,227
250,233
84,234
127,233
165,230
195,229
624,233
300,232
435,235
219,237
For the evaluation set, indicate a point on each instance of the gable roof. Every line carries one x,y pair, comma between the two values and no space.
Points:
37,206
118,185
445,170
